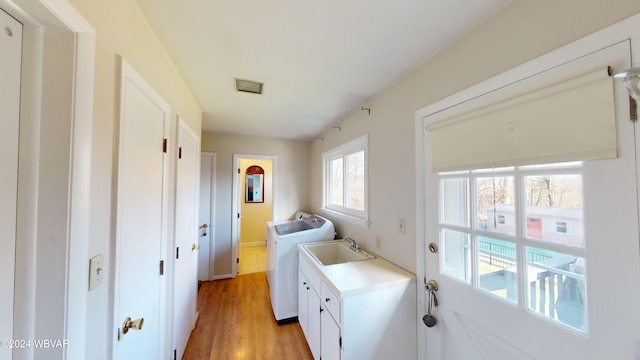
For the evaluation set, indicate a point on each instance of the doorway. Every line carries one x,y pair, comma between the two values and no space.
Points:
254,206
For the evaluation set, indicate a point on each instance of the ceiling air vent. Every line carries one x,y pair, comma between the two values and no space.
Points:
248,86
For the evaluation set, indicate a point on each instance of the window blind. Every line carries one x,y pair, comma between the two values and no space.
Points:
567,121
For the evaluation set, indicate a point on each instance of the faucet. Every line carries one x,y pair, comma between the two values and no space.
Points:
353,244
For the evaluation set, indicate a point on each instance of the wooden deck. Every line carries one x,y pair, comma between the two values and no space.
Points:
236,322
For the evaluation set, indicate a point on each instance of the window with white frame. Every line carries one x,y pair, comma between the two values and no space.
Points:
345,179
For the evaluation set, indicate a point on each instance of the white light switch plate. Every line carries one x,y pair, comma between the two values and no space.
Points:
96,271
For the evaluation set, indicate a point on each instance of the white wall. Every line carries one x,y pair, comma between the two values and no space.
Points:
122,30
292,178
520,32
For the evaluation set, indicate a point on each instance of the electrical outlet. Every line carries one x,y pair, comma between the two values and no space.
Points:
378,243
401,229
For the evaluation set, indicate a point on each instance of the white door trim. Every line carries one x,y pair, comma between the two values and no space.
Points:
212,213
165,309
624,30
237,184
38,16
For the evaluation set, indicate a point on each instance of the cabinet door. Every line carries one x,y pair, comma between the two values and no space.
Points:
330,335
313,337
303,308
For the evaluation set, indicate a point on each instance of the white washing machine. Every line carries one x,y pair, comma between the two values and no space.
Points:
282,259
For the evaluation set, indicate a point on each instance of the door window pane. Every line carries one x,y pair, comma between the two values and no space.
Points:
456,254
454,201
497,267
553,209
556,287
495,204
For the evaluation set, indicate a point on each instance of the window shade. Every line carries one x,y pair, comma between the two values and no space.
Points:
567,121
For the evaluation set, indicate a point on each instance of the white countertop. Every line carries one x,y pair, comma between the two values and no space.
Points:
358,277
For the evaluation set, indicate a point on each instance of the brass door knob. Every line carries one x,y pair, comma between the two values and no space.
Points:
195,247
129,324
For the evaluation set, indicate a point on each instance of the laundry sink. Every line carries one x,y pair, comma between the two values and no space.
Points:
293,226
336,252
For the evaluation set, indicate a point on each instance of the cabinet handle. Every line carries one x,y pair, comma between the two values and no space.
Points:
308,288
304,283
326,299
321,309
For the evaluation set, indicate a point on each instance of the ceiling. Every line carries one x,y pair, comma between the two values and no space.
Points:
319,60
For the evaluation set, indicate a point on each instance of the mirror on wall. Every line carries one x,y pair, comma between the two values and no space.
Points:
254,184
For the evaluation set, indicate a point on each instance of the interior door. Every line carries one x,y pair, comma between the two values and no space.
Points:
185,270
11,50
565,288
207,195
141,221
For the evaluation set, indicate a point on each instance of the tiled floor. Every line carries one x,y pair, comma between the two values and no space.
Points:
253,259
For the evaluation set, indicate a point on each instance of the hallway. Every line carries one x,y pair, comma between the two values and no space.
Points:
236,322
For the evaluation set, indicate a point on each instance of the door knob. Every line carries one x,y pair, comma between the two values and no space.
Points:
195,247
129,324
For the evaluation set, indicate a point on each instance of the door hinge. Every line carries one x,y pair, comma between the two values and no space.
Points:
238,170
175,354
238,215
161,267
237,260
178,252
633,109
164,145
340,342
180,152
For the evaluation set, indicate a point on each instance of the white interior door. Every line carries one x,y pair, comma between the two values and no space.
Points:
141,221
10,48
185,287
564,286
206,230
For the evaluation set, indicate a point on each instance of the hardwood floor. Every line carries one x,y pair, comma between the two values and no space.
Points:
236,322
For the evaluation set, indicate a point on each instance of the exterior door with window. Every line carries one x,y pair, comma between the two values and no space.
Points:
538,261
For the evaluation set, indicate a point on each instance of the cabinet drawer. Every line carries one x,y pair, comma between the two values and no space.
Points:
331,301
310,273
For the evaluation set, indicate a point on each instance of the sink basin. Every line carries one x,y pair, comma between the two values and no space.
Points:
336,252
291,227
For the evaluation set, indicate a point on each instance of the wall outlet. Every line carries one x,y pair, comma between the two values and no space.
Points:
401,228
378,243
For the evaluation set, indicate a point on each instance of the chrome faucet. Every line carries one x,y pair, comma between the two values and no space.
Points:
353,244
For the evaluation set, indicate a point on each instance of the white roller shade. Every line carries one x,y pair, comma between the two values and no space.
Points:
567,121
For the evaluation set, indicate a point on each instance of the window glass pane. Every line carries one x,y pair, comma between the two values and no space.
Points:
355,180
336,180
497,267
456,254
556,287
554,209
495,204
455,195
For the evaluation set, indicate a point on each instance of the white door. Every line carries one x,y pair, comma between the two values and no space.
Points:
141,221
10,48
185,271
564,283
207,195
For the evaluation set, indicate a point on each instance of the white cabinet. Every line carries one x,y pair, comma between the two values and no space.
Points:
309,313
370,315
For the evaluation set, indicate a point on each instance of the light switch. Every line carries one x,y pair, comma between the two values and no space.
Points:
96,271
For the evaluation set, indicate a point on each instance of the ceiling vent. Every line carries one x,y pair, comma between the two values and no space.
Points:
248,86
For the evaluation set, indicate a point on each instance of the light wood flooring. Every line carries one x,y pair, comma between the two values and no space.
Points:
236,322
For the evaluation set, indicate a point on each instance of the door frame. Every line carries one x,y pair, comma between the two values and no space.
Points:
181,124
69,267
238,193
627,29
212,212
165,307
